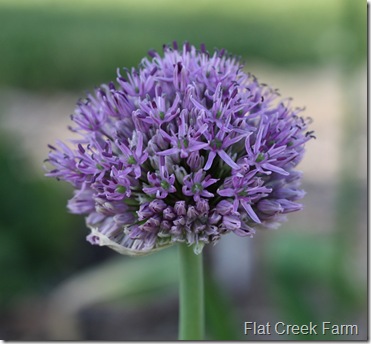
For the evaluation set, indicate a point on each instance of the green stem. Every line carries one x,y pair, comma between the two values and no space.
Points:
191,295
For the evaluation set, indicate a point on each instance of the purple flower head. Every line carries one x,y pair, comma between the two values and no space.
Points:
161,184
196,185
185,148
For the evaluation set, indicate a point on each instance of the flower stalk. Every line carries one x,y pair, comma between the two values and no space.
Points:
184,149
191,295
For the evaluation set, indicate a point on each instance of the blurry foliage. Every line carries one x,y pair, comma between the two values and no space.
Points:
221,320
67,44
135,283
303,272
38,239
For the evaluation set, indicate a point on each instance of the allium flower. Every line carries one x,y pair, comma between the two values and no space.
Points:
183,149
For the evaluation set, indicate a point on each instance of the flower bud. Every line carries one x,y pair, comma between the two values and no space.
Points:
180,208
157,205
224,207
231,222
270,207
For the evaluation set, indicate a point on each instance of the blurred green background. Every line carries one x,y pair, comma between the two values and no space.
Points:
314,268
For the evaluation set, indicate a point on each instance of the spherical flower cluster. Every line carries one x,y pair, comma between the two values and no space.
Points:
185,148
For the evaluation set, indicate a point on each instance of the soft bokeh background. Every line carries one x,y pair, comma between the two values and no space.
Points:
54,285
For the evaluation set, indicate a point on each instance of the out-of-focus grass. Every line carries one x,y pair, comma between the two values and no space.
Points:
38,240
53,44
303,272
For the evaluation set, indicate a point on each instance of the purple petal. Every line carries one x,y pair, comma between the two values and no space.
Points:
210,160
170,151
206,193
228,160
226,192
276,169
198,146
250,211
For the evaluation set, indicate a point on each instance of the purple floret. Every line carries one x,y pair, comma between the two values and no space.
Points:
185,148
